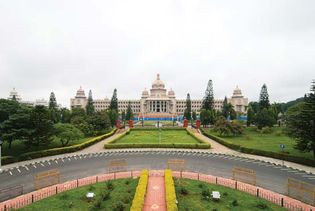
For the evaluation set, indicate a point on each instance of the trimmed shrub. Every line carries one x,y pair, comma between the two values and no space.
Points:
182,146
138,200
170,191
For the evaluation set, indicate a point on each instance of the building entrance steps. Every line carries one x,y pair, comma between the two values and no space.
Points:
155,196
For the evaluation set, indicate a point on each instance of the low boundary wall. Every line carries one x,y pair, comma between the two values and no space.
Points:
279,199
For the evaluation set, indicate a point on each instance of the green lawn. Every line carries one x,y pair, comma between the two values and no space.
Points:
268,142
152,137
121,195
18,147
193,200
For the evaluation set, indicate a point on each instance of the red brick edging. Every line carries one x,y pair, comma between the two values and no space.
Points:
279,199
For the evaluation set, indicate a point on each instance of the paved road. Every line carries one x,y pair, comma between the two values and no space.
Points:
269,176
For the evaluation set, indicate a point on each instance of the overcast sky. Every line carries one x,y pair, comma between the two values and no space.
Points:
60,45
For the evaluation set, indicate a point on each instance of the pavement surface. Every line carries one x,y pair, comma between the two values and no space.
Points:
155,196
219,161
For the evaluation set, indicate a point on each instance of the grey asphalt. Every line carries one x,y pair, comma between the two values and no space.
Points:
269,176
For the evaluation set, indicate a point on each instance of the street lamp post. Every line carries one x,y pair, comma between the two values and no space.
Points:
1,142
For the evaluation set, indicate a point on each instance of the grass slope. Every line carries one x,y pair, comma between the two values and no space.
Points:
268,142
193,200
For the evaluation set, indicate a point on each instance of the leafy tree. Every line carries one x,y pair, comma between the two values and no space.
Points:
42,126
187,112
89,106
53,108
7,108
66,133
114,101
129,113
52,101
254,106
100,122
264,118
208,100
301,122
65,115
207,117
225,127
264,98
233,114
113,116
123,116
226,108
17,127
250,116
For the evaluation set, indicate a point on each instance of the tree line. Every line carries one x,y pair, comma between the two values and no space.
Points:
39,125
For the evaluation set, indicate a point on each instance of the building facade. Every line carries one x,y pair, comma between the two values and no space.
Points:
159,102
14,95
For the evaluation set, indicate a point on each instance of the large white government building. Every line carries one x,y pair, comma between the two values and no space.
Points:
159,102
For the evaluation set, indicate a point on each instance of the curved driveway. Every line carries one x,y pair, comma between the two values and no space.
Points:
269,176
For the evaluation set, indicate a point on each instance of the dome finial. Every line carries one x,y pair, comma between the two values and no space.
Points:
158,76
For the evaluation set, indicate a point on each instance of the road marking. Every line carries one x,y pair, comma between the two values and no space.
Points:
48,163
300,173
69,159
62,160
56,161
34,166
18,170
10,173
26,168
75,158
42,164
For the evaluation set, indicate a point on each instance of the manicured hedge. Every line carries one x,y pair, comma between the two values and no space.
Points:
138,200
56,151
170,193
182,146
276,155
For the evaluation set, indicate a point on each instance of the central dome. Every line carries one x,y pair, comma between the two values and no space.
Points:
158,84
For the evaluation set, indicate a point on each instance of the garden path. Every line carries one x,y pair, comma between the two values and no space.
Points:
155,196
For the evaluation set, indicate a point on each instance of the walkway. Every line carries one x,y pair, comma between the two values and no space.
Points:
98,147
155,197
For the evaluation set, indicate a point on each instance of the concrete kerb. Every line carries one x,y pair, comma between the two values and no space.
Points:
8,167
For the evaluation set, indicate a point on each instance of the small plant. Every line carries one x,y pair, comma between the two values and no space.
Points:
206,195
110,185
234,203
118,206
64,196
105,195
91,188
278,133
225,194
97,204
183,190
261,205
247,137
126,199
214,209
70,205
201,185
127,182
